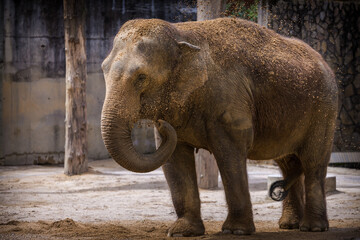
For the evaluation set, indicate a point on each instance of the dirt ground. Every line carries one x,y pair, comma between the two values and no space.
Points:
40,202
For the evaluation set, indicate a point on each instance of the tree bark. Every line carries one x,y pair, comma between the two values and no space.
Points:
210,9
206,167
75,77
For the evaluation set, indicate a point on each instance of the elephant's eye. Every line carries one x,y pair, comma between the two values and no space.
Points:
141,77
140,80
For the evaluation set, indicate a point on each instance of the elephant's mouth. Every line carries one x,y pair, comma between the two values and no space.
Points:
145,137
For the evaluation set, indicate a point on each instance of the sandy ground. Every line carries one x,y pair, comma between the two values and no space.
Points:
40,202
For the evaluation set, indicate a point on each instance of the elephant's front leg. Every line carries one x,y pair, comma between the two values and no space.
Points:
181,177
231,159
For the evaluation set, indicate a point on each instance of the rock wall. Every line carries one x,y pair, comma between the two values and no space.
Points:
32,66
333,29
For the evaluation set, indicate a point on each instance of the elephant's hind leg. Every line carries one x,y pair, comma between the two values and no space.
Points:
293,204
315,215
314,157
181,177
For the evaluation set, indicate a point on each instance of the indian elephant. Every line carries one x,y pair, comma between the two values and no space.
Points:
234,88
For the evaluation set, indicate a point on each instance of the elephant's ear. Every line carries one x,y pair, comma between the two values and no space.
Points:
186,47
191,71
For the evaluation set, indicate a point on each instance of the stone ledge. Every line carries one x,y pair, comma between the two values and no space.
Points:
33,158
345,157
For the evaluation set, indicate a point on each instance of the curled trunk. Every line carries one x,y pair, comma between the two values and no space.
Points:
116,133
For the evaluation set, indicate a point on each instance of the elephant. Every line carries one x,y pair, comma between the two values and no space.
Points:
234,88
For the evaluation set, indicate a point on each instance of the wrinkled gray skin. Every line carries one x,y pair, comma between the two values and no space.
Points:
234,88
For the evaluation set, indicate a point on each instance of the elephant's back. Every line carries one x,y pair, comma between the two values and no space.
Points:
228,39
270,60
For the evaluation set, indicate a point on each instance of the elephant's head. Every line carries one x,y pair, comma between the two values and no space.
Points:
149,74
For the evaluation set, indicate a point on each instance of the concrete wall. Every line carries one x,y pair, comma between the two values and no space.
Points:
333,29
1,73
32,66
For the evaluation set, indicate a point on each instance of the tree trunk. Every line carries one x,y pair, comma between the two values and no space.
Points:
75,105
206,167
210,9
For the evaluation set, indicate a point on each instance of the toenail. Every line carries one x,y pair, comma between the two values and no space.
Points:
177,235
304,229
227,231
239,232
316,229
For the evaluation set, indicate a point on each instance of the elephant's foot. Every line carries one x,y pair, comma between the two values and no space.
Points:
184,227
290,218
314,224
237,227
289,222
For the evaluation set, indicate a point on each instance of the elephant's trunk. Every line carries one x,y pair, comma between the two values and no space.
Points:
116,133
